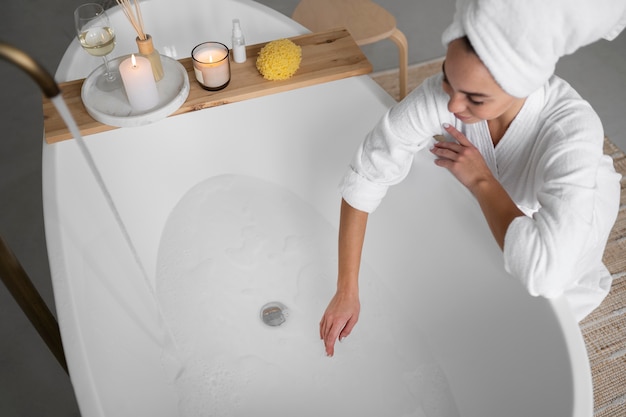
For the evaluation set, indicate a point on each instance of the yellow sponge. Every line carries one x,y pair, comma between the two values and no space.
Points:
279,59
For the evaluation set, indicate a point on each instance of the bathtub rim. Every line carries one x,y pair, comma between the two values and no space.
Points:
583,405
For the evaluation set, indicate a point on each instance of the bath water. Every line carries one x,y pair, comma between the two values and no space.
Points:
235,243
232,245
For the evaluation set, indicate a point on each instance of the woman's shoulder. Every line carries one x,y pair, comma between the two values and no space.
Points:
561,100
565,111
428,96
433,85
427,101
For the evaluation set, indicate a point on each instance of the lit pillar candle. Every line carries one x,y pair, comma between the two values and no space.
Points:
211,65
139,83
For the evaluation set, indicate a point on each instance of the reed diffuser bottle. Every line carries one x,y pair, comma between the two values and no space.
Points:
146,48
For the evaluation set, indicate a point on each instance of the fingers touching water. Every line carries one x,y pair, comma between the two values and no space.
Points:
339,319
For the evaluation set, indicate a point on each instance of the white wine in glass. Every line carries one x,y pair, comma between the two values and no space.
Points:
98,41
97,37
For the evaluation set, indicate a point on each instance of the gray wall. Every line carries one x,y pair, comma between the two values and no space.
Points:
422,22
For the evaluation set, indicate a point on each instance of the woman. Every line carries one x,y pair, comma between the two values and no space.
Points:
534,163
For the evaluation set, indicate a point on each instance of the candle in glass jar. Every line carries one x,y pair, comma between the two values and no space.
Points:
211,65
139,83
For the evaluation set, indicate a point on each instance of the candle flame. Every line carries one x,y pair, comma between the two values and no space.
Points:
210,59
133,60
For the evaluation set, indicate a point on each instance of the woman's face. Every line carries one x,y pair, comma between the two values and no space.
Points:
474,94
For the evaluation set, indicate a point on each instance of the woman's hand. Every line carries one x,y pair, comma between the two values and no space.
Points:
469,167
462,159
339,319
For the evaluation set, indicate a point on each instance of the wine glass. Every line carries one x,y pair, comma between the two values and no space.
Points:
97,37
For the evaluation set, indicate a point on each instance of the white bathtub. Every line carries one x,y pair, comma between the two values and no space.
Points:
444,330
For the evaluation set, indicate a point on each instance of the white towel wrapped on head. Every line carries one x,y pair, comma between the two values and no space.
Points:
520,41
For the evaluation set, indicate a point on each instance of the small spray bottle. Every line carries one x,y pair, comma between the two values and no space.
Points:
239,43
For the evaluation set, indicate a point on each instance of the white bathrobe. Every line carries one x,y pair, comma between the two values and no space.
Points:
551,163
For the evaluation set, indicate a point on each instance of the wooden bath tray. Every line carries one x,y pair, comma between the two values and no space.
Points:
326,56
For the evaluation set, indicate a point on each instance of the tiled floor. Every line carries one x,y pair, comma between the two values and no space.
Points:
31,382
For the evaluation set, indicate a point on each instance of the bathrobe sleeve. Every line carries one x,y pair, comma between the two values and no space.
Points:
385,156
578,195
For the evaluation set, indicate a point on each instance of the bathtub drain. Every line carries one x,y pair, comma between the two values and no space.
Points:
274,313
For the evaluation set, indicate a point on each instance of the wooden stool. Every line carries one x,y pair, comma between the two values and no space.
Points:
366,21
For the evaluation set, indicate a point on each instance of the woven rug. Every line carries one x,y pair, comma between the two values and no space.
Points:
604,330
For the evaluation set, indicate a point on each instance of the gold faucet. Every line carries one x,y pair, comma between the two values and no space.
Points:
31,67
12,274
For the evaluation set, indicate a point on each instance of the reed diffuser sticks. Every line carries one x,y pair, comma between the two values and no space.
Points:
135,18
144,40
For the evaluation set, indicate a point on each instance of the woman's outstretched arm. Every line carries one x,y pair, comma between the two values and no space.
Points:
343,310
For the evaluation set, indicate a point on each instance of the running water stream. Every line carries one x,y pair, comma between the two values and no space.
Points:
169,343
65,113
